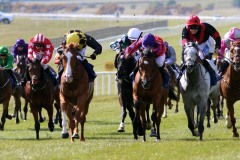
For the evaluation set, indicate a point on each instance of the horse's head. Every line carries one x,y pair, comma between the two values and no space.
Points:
147,67
70,62
190,55
125,65
36,71
235,55
21,64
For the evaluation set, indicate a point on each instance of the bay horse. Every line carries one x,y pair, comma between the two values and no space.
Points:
21,68
195,89
173,84
147,89
75,92
40,93
230,87
6,91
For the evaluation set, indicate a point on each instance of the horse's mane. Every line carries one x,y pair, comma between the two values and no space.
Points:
190,44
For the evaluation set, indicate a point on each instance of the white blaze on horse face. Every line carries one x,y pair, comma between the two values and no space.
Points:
145,62
68,69
190,55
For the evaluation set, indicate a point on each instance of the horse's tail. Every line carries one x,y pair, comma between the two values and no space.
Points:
172,94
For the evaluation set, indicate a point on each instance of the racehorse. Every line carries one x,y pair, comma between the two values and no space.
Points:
40,93
147,89
75,91
21,67
195,89
230,87
174,87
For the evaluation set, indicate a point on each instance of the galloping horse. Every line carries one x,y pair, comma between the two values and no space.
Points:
230,87
195,89
75,91
175,88
147,89
40,93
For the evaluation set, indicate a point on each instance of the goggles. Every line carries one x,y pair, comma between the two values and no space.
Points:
194,27
39,45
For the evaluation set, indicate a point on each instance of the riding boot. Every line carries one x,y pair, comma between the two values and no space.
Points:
89,68
165,77
182,69
51,75
212,73
14,78
222,68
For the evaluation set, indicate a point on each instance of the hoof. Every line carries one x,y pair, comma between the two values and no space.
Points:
148,125
208,125
121,129
51,127
17,121
235,134
153,134
65,135
9,117
55,121
75,136
176,111
165,116
42,119
13,115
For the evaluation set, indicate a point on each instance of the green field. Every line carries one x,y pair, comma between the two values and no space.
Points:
102,139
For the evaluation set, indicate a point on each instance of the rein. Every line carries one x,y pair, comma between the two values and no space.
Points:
5,84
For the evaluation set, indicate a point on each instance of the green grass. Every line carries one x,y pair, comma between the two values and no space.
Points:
104,142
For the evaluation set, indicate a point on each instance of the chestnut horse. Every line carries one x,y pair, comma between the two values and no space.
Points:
40,93
147,89
230,86
75,91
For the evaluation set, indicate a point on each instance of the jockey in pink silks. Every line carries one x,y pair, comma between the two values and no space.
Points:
232,35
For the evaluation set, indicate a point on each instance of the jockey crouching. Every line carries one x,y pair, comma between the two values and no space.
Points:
40,47
6,63
78,37
204,34
159,49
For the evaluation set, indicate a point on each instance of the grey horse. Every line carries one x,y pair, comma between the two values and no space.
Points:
195,89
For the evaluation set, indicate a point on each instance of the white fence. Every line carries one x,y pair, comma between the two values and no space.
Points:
105,84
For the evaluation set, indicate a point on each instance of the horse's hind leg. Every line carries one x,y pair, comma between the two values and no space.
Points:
17,107
25,110
58,117
148,124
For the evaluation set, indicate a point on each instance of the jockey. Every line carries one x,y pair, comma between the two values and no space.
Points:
202,33
40,47
77,36
159,49
6,63
231,36
126,40
19,49
171,58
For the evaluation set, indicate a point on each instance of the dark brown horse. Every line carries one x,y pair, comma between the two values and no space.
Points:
230,86
75,92
6,91
40,93
147,89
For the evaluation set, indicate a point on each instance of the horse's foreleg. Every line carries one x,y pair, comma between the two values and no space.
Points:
208,113
25,109
202,112
17,108
58,117
190,116
165,112
148,124
50,116
136,121
143,121
37,124
178,97
64,125
232,118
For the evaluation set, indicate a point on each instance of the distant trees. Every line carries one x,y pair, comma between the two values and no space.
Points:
236,3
